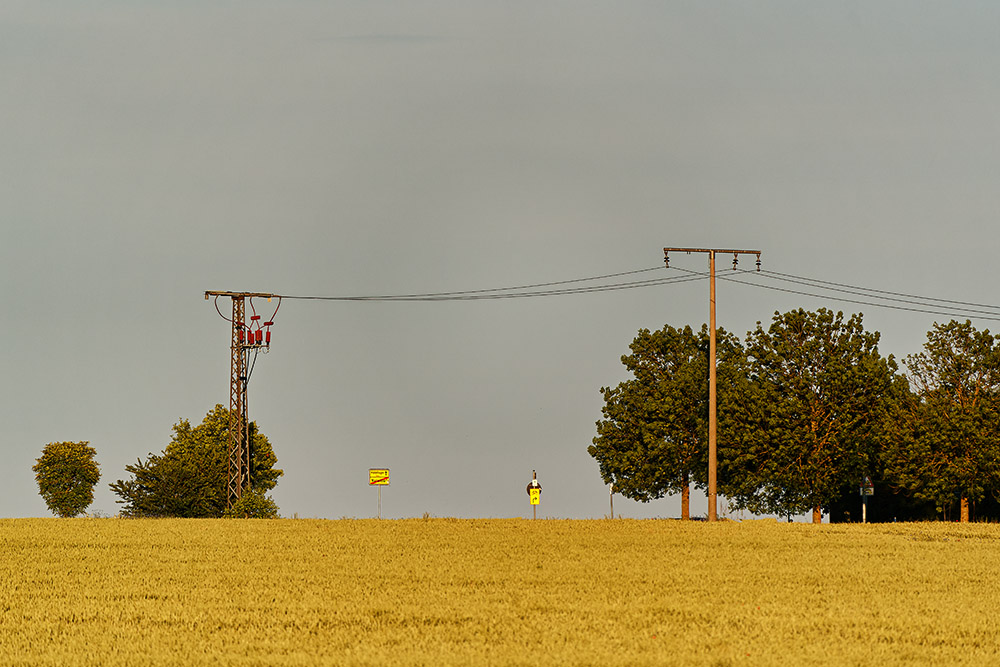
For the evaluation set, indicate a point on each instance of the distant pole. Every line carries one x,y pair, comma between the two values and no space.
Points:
867,489
713,513
534,490
378,477
712,431
612,496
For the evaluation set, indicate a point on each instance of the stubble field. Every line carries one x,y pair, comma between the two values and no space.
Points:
500,592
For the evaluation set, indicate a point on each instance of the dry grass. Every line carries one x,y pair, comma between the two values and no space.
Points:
445,591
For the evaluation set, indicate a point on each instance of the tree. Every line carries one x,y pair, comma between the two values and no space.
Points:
189,478
653,439
252,505
947,448
66,474
822,398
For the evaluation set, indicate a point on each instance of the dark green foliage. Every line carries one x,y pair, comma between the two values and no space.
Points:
807,411
252,505
653,438
946,445
66,474
888,505
815,415
189,477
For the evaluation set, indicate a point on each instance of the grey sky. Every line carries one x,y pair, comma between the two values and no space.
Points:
151,151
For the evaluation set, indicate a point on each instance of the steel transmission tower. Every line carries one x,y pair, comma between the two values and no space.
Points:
248,339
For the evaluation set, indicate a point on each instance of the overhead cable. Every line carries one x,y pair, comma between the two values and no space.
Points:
931,309
818,282
522,291
816,288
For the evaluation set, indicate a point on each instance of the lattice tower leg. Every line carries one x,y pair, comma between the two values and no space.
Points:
237,396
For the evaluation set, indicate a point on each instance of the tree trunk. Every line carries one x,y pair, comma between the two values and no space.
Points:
817,515
965,510
686,499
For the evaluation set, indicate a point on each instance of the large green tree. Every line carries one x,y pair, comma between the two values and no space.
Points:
823,395
66,473
946,447
653,440
189,477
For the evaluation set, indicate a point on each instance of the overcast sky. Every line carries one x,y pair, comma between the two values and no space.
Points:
150,151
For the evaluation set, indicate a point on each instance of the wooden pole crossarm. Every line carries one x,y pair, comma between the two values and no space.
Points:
718,250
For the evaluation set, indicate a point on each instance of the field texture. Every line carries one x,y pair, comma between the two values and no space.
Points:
500,592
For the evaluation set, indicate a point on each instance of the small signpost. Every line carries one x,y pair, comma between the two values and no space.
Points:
378,477
867,489
534,494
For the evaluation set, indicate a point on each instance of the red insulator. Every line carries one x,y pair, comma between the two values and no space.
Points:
260,336
267,338
255,318
242,335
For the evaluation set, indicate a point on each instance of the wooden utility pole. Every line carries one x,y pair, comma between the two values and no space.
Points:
713,514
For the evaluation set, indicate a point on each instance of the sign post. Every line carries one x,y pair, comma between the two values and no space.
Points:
378,477
867,489
534,494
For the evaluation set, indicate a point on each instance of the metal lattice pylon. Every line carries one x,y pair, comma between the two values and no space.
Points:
246,339
239,452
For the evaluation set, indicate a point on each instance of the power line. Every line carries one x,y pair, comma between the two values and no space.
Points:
521,291
893,296
613,287
931,309
823,289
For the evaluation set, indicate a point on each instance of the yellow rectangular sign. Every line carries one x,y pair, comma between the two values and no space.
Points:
536,496
378,477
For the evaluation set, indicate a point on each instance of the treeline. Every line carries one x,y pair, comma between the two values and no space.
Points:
189,478
807,409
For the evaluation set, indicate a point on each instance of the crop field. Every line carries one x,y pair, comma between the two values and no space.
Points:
500,592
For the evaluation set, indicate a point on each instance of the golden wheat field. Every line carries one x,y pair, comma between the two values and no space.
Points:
496,592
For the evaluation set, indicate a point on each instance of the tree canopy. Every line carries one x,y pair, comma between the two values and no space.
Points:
189,477
653,439
823,395
66,473
802,412
946,447
806,410
252,505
